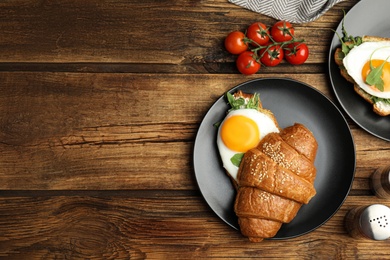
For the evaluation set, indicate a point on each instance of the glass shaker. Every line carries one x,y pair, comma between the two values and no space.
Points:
380,182
369,222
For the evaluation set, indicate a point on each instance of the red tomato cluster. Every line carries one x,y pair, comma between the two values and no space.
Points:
267,46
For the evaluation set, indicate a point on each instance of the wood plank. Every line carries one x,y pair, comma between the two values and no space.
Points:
90,91
150,225
111,31
95,131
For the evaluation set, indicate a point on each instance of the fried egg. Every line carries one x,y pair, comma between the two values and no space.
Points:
357,64
240,131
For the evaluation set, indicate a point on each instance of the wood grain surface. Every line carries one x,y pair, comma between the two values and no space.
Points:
100,103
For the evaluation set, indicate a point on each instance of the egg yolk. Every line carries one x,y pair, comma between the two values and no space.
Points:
385,73
240,133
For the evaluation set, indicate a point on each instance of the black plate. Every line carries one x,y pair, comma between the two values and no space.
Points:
358,23
291,101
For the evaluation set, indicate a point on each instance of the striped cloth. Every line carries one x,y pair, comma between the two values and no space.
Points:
295,11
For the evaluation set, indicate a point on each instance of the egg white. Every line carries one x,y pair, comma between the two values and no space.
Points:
265,124
359,55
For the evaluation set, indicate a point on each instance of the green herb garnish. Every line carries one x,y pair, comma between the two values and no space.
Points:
238,103
377,99
235,103
347,41
374,77
236,159
217,124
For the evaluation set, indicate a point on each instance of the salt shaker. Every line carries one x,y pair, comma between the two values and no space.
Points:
369,222
380,182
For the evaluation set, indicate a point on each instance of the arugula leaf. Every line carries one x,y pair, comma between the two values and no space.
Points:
230,98
254,101
347,44
374,77
236,159
237,103
345,34
347,41
358,40
217,124
377,99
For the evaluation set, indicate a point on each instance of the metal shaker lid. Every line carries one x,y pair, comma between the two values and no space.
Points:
375,222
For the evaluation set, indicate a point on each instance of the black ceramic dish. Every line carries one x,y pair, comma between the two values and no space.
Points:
290,101
358,23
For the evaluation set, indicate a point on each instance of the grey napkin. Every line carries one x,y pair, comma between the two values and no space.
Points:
295,11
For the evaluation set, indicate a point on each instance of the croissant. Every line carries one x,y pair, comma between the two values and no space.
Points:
301,139
274,146
262,172
274,180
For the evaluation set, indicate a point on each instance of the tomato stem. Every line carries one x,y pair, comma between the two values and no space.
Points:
267,47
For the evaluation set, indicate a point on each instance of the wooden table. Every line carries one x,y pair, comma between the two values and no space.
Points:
100,102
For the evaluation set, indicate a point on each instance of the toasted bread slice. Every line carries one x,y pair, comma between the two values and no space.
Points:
381,108
368,38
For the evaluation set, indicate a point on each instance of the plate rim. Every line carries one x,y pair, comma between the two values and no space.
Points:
331,103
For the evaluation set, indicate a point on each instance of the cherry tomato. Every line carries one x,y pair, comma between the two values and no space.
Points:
259,33
272,55
282,31
246,63
234,42
296,53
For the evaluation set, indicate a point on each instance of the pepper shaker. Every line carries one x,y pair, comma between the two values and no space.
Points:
380,182
369,222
